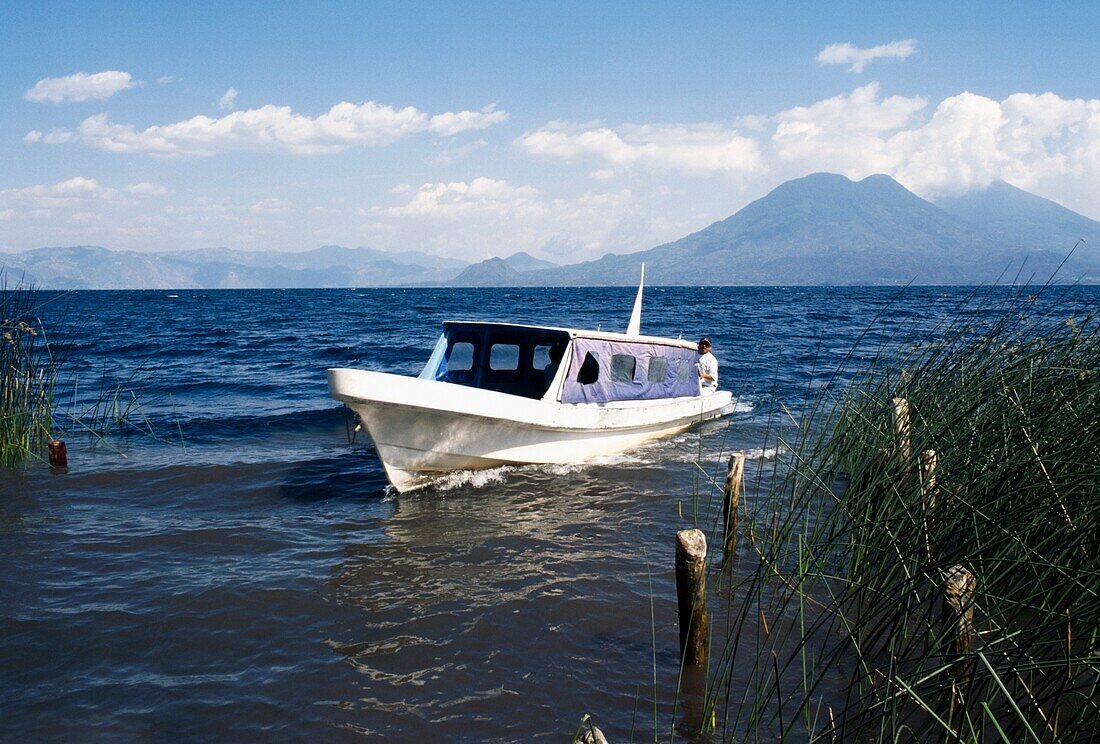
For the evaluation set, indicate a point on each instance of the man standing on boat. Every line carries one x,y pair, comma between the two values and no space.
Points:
707,367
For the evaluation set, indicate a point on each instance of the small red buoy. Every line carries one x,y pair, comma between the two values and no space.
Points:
59,458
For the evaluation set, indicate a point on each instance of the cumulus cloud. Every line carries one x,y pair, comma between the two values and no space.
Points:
857,58
697,148
228,101
967,142
481,196
839,131
80,86
279,128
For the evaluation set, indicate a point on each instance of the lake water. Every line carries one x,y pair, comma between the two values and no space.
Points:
245,574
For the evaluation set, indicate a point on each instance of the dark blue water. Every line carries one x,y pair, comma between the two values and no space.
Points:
243,572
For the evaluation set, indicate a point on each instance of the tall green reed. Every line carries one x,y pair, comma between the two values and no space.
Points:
836,619
28,375
32,385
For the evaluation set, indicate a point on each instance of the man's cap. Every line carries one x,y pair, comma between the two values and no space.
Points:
704,340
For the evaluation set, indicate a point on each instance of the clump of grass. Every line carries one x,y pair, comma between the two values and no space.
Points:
31,385
28,375
841,624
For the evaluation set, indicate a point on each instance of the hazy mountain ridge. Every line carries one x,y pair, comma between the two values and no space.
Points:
93,267
819,229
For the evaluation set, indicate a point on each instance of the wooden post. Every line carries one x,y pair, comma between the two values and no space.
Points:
589,733
691,595
902,438
734,473
928,464
59,457
959,588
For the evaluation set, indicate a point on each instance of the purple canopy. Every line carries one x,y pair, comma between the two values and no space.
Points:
629,371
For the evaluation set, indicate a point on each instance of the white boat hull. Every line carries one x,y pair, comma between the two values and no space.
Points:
422,428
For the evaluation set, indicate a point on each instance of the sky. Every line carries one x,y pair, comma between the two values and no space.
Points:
473,129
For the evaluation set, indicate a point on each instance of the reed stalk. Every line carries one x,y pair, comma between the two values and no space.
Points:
842,621
28,375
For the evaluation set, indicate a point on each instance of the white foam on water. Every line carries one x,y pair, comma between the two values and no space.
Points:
473,478
764,453
738,405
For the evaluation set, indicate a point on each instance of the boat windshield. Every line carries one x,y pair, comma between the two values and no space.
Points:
507,359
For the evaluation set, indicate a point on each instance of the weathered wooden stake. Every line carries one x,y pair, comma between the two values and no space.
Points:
902,438
589,733
959,587
734,473
691,595
59,457
928,464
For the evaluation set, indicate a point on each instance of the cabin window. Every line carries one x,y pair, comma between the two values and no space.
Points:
622,367
590,370
541,358
683,373
461,358
504,357
658,368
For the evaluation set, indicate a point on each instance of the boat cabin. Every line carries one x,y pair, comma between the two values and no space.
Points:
562,364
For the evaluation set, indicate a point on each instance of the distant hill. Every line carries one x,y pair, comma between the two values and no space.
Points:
828,229
499,271
87,267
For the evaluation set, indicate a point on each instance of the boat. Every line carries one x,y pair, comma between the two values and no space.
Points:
496,393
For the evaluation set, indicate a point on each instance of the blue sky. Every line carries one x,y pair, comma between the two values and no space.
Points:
473,129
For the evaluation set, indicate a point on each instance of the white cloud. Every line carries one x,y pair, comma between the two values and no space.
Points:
52,137
77,195
80,86
485,216
696,148
228,101
603,174
847,54
273,205
147,189
481,196
278,128
166,80
837,132
968,141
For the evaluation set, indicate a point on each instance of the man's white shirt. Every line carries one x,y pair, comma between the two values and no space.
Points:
708,364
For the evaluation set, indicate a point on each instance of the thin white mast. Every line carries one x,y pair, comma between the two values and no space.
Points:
635,326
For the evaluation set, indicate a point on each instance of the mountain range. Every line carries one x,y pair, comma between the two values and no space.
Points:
820,229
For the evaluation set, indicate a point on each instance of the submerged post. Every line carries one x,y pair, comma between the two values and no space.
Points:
959,588
928,464
691,595
902,438
735,471
589,733
59,457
